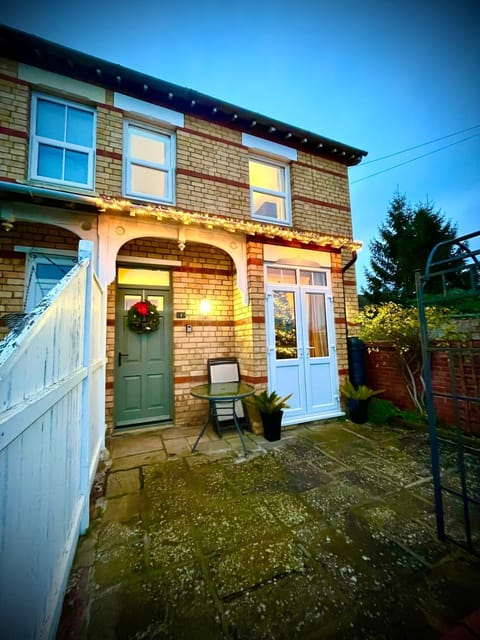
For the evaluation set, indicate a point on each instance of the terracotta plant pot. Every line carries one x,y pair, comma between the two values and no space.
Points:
272,425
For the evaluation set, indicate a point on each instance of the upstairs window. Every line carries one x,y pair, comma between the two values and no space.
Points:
62,142
270,191
149,164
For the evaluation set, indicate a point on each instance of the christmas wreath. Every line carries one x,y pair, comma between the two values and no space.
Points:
143,317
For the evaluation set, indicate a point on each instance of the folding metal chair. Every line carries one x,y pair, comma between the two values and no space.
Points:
225,370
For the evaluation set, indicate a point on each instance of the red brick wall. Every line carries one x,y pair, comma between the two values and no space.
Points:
383,372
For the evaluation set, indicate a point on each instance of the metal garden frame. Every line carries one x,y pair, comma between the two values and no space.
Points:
456,486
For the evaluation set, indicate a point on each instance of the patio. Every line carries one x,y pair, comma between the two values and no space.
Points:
328,533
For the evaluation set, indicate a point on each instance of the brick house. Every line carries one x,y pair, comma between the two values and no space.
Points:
236,226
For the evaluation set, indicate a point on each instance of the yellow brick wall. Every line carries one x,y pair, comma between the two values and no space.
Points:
14,121
212,170
108,175
320,195
212,165
212,177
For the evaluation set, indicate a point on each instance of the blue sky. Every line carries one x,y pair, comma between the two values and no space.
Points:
383,76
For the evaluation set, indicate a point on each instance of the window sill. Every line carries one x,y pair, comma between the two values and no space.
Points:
280,223
58,186
148,200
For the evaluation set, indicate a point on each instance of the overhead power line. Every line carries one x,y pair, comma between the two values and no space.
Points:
418,146
424,155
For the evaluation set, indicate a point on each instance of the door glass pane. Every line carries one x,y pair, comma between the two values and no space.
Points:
157,301
315,278
152,277
316,325
285,325
130,300
152,182
277,275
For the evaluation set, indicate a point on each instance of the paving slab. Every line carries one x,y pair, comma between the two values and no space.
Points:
328,533
122,482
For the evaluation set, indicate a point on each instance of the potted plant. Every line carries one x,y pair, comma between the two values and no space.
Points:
270,406
357,400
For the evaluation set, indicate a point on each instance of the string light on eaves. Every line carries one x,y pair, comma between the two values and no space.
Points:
164,213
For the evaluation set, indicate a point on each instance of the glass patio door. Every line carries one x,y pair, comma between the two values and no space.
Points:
300,342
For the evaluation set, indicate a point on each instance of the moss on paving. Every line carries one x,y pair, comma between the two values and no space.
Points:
329,534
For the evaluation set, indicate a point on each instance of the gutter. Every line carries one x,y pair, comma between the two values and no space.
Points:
39,52
40,192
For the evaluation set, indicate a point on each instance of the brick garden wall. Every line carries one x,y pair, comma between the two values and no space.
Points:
383,372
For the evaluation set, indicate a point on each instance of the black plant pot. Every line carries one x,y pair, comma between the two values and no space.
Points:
358,410
272,425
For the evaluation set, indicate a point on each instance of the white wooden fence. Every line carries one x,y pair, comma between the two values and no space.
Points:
52,425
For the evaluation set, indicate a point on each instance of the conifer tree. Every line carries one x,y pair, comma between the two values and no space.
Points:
405,240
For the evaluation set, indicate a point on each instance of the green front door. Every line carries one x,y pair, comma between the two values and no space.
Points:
143,369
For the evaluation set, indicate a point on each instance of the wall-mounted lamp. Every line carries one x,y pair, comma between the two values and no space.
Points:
205,307
6,217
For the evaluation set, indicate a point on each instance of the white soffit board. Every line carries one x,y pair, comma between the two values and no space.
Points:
134,105
266,146
61,83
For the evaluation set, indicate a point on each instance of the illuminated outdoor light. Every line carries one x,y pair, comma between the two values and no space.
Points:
205,307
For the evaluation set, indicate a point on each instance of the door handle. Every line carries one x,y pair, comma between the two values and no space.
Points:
120,354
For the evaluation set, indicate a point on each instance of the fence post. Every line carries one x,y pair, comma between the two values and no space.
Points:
85,252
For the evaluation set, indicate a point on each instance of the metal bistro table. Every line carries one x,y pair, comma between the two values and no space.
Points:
222,392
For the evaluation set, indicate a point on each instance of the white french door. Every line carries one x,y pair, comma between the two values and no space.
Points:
301,342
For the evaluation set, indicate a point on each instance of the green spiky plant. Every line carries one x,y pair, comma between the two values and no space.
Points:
269,402
362,392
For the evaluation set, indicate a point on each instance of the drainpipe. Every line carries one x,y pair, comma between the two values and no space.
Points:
349,264
344,270
40,192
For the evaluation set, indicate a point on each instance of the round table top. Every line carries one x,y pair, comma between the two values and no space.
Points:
222,390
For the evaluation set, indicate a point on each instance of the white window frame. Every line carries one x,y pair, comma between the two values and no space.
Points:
168,167
36,140
36,289
280,194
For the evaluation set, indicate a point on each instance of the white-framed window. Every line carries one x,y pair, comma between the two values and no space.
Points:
149,163
62,142
42,272
270,190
